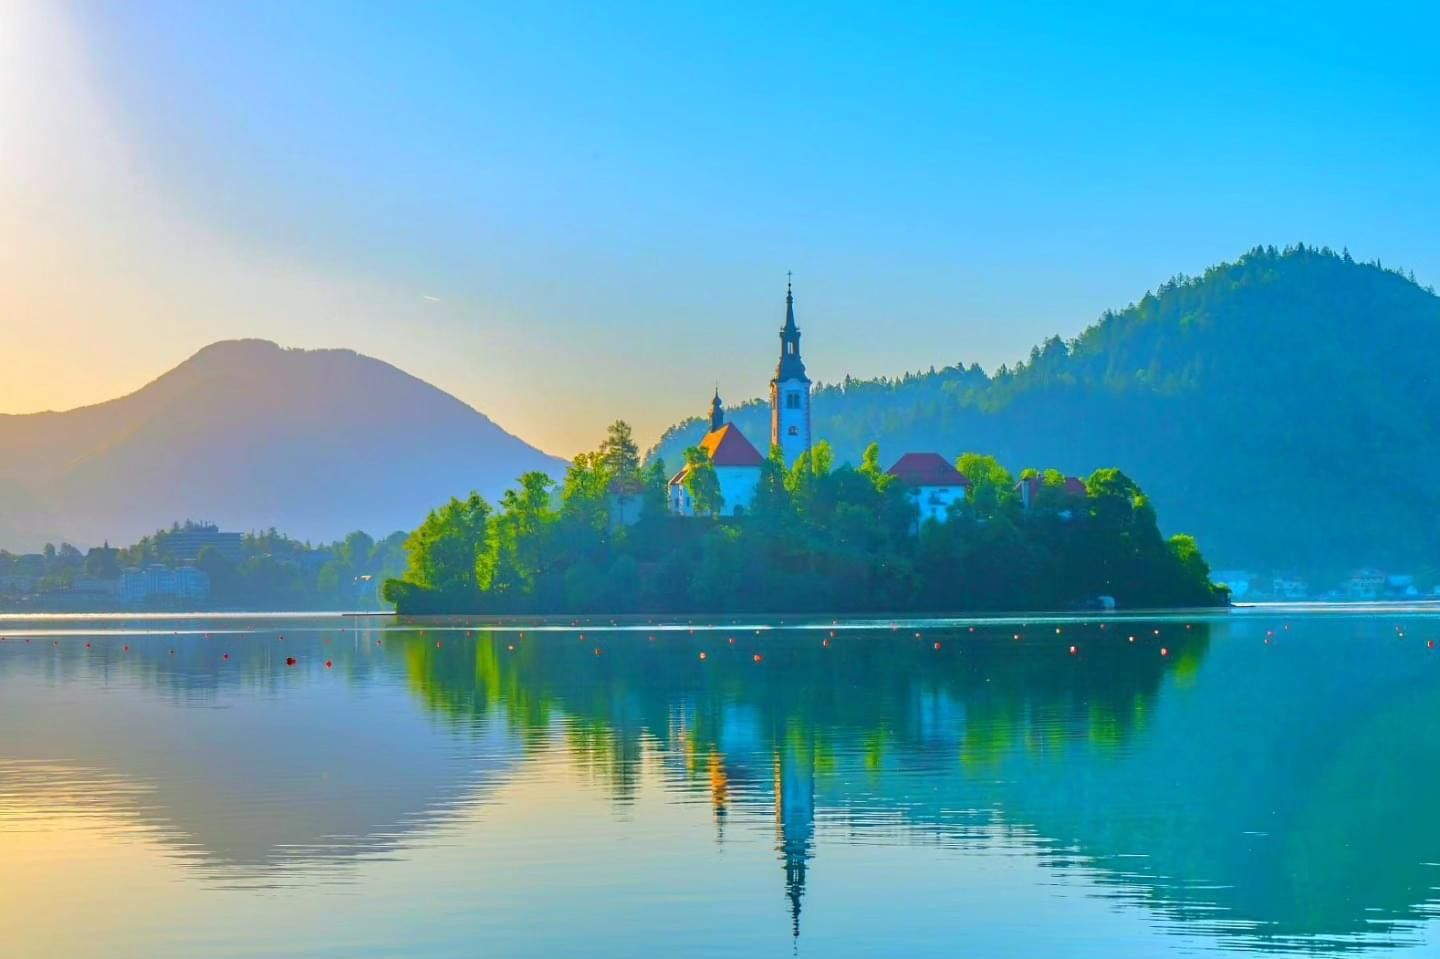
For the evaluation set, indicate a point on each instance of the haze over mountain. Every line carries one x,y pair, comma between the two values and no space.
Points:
1281,408
249,435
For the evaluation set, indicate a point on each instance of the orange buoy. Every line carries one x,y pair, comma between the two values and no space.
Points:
328,664
702,656
289,660
226,657
825,643
1074,650
758,657
937,645
1164,651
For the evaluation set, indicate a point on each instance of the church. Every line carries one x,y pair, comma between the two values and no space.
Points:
737,462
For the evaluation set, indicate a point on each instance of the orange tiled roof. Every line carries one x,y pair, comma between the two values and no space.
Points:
728,446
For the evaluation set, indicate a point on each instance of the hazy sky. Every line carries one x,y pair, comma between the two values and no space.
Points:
565,215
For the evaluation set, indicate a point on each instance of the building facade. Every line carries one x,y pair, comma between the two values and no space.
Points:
934,486
163,585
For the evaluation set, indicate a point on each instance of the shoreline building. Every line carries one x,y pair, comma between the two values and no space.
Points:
790,391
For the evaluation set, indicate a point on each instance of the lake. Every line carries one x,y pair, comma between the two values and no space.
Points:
1242,783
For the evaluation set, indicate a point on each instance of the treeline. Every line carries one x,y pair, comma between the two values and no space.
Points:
816,538
271,572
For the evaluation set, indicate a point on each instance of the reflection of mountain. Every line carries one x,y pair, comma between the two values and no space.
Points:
245,785
1201,783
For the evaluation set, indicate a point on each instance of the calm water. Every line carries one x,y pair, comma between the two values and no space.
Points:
455,792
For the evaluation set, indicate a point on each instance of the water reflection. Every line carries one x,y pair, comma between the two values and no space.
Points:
1263,786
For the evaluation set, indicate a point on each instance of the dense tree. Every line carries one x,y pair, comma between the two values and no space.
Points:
817,537
445,553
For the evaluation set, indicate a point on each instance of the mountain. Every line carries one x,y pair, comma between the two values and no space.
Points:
249,435
1281,408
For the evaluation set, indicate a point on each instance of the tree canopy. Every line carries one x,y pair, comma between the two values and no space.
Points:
816,538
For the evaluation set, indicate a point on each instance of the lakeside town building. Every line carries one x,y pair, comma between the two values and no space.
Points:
163,584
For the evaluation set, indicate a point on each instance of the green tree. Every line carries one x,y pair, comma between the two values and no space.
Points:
444,556
619,453
702,483
992,488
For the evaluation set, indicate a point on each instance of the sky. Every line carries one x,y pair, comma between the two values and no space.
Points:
566,214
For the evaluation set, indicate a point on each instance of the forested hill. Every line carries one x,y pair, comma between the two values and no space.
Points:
1281,408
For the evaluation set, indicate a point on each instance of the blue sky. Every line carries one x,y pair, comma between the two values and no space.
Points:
564,214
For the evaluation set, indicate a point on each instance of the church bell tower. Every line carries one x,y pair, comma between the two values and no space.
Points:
790,391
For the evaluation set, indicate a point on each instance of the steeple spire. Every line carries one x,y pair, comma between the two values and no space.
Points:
790,307
717,411
790,367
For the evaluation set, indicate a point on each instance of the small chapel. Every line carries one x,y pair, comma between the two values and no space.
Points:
736,460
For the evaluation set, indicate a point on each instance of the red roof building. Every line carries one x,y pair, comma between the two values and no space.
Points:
737,467
934,484
927,469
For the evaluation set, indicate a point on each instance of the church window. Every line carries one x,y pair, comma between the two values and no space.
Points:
794,431
790,348
792,401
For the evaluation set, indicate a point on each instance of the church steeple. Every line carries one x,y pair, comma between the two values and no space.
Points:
717,411
790,367
790,390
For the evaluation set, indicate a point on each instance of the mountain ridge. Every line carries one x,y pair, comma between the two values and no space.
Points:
241,432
